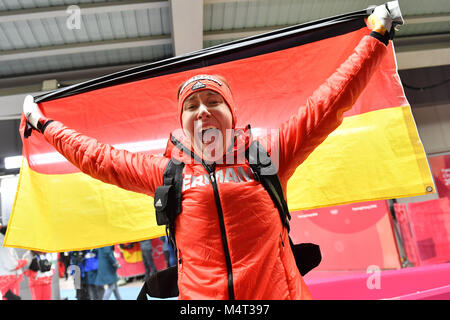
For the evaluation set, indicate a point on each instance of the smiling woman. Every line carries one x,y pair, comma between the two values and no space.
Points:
230,240
206,118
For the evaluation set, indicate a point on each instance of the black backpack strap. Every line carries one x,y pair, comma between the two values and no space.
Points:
307,255
162,284
167,200
265,171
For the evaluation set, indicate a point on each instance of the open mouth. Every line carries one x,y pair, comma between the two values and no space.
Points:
208,135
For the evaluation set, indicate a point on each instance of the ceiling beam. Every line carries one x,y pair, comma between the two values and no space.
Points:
239,33
423,58
248,32
422,51
226,1
427,18
187,25
93,8
77,48
11,106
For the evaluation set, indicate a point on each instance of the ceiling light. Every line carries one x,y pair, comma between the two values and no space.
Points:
13,162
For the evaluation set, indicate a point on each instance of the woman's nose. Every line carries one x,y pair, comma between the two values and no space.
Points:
203,112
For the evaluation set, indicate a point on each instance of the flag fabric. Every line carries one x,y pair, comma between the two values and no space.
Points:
375,154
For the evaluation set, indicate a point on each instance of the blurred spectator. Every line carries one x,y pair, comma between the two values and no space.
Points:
63,264
147,257
168,252
91,268
10,270
40,273
107,272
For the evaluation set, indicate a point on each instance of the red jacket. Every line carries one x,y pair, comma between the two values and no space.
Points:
241,247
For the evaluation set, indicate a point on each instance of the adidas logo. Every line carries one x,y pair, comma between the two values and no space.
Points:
198,85
158,203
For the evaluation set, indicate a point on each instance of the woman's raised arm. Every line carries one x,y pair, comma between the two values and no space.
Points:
136,172
323,111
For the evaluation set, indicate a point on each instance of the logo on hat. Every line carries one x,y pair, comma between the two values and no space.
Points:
198,85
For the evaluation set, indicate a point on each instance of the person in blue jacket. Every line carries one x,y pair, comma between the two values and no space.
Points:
107,272
96,292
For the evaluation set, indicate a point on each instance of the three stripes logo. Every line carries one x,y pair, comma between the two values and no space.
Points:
198,85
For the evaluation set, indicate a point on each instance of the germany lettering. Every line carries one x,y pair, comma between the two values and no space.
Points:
225,175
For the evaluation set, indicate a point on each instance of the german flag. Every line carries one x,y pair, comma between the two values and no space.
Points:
375,154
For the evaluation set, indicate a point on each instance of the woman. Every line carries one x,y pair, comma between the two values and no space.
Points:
40,281
230,240
107,272
11,268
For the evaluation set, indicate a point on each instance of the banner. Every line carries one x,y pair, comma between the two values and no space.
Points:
351,236
440,168
375,154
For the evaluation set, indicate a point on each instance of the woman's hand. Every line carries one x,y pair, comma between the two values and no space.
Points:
31,111
385,18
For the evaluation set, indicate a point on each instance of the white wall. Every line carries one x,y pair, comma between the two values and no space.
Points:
8,186
433,124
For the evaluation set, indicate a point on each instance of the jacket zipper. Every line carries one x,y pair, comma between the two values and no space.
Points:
212,179
222,231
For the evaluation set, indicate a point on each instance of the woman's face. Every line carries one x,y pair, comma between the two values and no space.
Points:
208,122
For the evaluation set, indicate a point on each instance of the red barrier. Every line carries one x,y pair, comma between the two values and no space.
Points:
406,233
430,226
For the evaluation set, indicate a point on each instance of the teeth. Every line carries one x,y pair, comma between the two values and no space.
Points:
204,129
203,132
208,127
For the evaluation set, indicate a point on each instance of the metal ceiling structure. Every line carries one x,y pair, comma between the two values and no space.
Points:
69,41
40,37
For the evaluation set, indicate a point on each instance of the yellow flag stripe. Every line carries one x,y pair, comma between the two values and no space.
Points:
371,156
422,161
69,212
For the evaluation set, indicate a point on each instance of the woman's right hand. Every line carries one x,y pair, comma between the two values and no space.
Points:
385,18
31,111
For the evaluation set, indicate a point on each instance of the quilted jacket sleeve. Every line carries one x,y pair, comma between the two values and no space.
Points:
136,172
323,111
